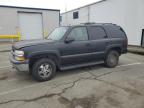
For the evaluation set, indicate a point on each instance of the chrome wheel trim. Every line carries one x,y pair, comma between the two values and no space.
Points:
45,70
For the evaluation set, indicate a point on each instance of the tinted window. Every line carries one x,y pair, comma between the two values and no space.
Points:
115,31
79,33
75,15
96,33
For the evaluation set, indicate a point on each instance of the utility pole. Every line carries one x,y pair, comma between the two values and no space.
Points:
66,13
88,14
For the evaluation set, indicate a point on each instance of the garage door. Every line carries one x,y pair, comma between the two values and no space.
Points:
30,26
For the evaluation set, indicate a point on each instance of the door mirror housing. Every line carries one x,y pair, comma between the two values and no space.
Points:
69,40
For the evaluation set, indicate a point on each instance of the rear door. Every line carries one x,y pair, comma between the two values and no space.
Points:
99,41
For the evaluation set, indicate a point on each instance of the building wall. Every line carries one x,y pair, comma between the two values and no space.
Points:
67,19
9,20
50,20
134,21
127,13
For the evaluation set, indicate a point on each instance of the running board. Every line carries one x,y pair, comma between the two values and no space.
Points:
81,65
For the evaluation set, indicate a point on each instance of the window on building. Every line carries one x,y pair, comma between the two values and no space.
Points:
60,18
79,33
75,15
96,33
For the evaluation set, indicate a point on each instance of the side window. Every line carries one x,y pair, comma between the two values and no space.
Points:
96,33
116,32
79,33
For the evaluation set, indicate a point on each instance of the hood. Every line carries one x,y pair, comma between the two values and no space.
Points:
22,44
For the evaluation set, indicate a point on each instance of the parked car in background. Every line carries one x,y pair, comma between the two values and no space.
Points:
70,47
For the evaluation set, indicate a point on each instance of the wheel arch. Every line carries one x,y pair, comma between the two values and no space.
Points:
34,57
117,48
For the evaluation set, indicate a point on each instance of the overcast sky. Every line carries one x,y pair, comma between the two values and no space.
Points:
50,4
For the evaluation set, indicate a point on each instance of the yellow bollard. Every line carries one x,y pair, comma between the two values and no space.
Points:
45,33
18,34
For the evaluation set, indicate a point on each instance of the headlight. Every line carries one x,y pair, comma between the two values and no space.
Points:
19,55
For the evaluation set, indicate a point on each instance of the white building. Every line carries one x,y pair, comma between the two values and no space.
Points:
129,14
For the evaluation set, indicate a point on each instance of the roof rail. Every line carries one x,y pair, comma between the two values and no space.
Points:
88,23
91,23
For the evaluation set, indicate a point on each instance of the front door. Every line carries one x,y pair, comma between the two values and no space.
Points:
75,52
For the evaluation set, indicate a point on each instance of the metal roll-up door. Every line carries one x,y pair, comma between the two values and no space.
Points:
30,26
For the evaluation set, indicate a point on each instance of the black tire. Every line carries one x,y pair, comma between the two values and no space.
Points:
44,69
112,59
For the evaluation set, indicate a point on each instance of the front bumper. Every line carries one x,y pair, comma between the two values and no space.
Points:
20,66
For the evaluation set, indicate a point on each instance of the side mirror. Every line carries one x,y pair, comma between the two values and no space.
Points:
68,40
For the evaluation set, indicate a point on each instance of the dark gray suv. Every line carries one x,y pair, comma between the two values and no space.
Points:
70,47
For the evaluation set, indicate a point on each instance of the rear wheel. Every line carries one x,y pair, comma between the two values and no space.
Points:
44,70
112,59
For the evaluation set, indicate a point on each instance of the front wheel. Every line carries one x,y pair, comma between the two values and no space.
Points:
112,59
44,70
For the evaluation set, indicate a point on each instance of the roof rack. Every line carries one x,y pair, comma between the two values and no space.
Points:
88,23
91,23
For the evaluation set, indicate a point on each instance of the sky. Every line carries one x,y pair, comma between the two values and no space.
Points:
63,5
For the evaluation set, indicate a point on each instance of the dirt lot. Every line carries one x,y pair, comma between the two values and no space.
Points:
89,87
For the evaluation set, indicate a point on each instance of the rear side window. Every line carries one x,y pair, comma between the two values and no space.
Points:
79,33
115,32
96,33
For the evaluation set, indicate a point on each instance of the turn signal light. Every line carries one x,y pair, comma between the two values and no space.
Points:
19,58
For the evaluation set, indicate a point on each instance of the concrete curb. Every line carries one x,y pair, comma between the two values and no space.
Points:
5,47
5,51
136,50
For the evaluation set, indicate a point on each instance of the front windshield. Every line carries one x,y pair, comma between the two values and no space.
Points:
58,33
